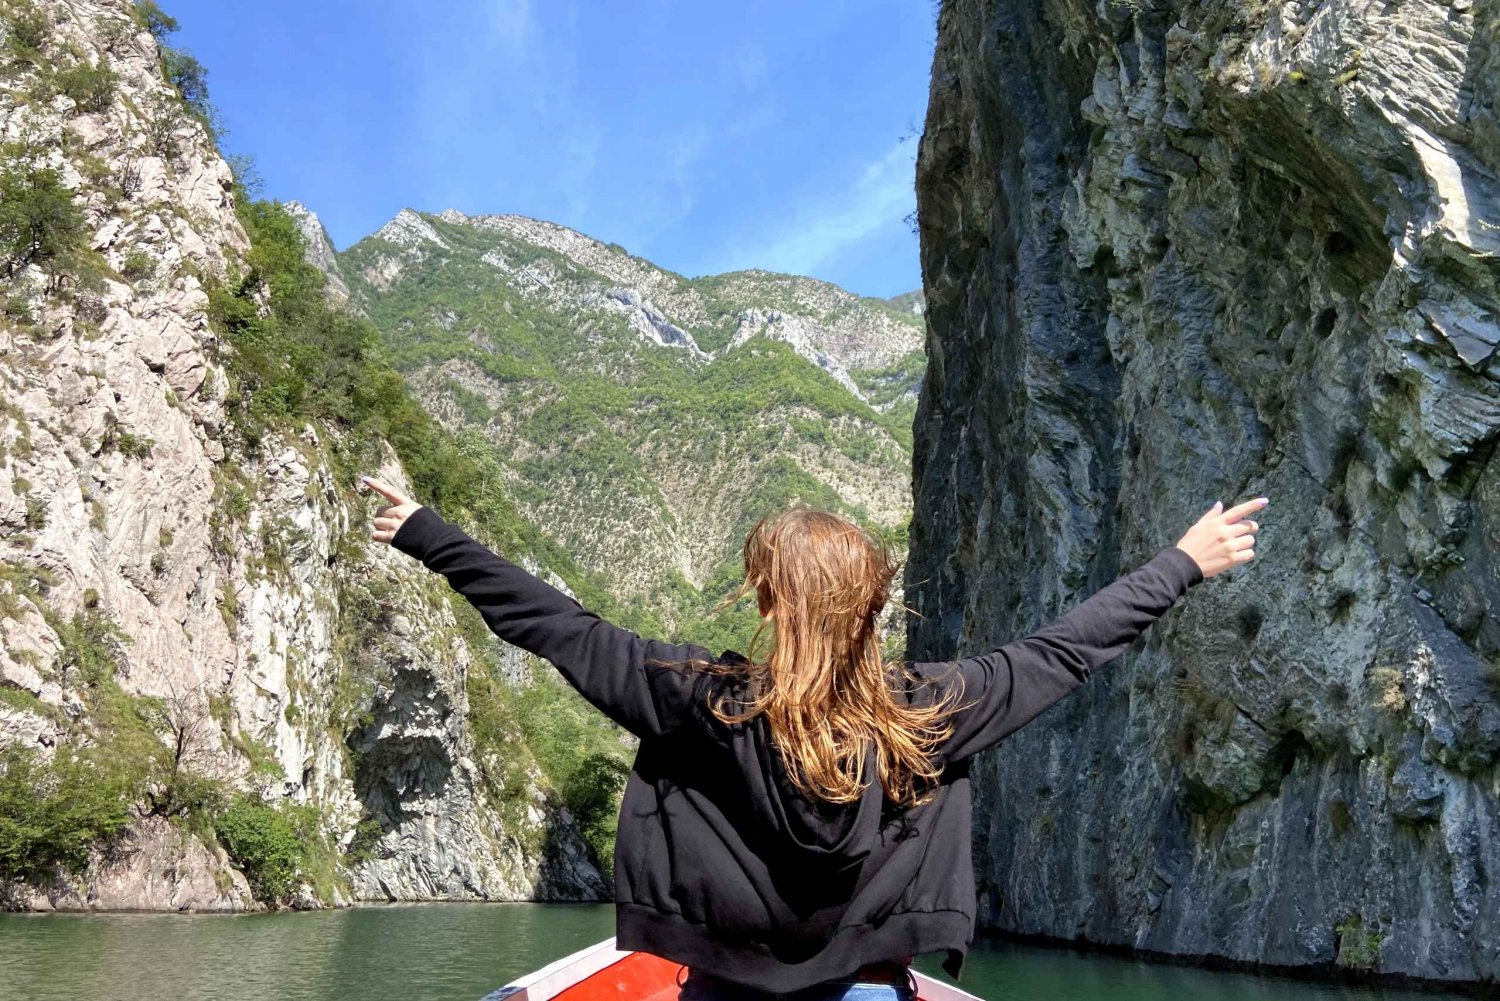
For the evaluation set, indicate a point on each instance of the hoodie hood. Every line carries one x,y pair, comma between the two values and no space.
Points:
827,836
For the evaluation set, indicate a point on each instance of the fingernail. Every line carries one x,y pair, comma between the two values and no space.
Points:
1264,501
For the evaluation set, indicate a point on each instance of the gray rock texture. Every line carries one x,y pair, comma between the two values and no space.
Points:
1180,252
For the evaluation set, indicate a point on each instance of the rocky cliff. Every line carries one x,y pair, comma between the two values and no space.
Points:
212,618
1180,252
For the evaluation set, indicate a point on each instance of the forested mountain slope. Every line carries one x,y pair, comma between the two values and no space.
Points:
644,420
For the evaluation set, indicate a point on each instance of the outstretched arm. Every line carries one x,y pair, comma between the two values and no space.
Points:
605,663
1003,690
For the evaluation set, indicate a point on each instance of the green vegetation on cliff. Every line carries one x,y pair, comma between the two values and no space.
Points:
117,762
39,223
53,813
278,846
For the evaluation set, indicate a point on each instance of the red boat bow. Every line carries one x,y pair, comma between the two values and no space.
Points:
603,973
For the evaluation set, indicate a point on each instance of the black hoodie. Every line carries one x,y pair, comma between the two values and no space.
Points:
720,864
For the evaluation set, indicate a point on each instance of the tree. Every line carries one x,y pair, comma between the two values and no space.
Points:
155,20
39,222
592,794
27,31
90,85
52,813
189,76
182,790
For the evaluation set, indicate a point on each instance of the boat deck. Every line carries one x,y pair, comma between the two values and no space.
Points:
603,973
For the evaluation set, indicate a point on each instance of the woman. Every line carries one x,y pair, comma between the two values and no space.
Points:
796,826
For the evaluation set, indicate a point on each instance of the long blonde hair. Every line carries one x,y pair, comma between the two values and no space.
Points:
824,688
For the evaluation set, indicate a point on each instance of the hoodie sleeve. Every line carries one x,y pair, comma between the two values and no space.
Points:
1001,691
605,663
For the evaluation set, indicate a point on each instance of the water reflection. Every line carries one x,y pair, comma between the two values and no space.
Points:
458,952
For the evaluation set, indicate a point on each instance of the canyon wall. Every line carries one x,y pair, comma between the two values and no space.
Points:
156,578
1181,252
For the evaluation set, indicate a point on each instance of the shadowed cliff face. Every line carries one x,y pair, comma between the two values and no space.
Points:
1199,252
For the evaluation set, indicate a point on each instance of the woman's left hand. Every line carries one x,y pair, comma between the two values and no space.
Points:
388,519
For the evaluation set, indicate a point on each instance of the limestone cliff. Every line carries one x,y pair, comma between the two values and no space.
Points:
231,603
320,250
1180,252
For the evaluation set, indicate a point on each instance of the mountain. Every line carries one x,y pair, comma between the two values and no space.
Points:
1230,250
908,302
319,248
642,419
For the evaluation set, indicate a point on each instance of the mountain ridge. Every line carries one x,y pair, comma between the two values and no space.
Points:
904,302
662,295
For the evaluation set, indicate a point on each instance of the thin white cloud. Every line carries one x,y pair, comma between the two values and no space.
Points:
514,27
750,66
881,192
581,144
482,61
676,192
465,58
688,148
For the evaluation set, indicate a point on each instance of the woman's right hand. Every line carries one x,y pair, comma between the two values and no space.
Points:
1222,539
388,519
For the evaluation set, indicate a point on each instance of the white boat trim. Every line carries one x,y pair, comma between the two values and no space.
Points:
556,977
929,989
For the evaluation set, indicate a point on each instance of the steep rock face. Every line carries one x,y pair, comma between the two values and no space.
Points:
320,252
1227,249
246,597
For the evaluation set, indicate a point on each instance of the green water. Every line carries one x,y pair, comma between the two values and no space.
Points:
437,952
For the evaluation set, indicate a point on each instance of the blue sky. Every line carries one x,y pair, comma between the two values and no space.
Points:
705,135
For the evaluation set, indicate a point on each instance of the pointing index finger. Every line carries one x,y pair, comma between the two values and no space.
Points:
1240,510
389,493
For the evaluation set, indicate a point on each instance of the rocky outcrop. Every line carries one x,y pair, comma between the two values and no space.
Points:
156,866
320,252
801,333
1227,249
245,595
